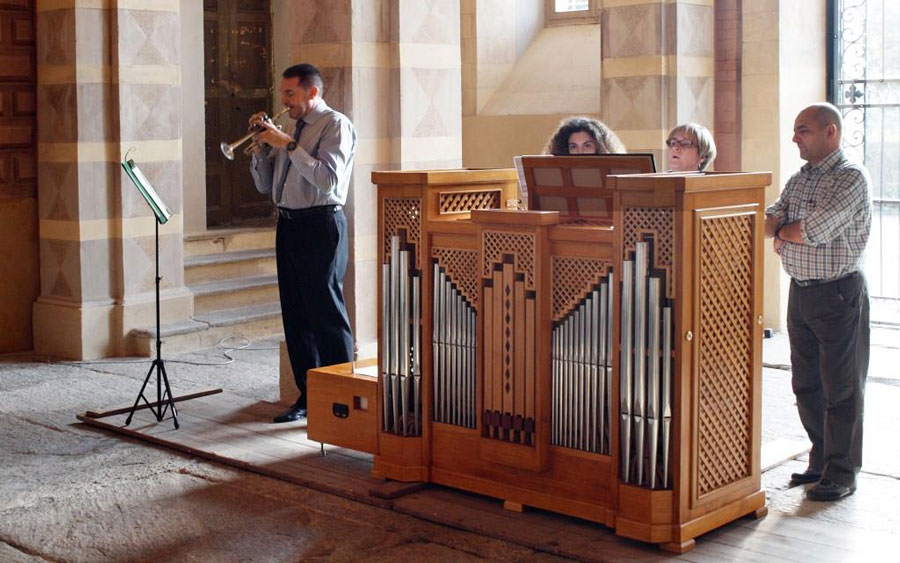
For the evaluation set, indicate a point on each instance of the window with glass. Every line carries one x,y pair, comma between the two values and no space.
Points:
865,86
563,12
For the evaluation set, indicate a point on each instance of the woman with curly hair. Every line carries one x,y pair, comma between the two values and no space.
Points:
583,135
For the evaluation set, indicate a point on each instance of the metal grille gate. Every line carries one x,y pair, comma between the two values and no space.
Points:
865,85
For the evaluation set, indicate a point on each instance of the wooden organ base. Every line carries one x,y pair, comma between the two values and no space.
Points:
607,369
341,409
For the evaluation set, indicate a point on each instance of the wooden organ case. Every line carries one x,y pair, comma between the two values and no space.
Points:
605,365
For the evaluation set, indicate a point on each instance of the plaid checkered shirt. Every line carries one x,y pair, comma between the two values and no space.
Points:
832,201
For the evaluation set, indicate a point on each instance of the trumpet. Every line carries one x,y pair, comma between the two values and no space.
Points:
228,148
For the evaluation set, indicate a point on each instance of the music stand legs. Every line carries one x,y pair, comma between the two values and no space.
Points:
164,399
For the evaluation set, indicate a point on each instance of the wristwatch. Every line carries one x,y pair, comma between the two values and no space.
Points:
291,146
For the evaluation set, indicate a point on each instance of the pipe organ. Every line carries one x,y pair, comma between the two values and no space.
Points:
645,388
602,360
401,372
581,371
453,350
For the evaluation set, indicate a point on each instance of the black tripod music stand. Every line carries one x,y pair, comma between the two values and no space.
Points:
164,400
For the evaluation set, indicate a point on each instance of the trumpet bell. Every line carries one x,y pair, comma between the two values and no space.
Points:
227,150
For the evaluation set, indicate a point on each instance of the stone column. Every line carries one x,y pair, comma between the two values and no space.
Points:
373,54
783,67
430,86
658,69
108,81
728,84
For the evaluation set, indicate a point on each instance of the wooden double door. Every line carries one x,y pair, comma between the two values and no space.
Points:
238,83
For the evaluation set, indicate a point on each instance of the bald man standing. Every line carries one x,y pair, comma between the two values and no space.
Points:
821,226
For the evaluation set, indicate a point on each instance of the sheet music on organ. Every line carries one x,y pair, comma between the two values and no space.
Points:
575,185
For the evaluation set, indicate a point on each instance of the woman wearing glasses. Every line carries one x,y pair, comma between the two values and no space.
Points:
691,148
583,135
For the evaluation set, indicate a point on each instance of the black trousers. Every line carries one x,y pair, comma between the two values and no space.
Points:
311,254
828,325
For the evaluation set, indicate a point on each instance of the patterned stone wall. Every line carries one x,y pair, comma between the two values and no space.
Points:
108,82
658,68
373,54
490,48
429,84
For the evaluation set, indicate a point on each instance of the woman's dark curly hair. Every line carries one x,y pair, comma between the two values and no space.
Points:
607,141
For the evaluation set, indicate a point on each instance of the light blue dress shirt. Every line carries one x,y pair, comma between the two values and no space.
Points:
320,166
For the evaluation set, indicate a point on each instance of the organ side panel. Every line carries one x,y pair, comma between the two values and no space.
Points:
726,375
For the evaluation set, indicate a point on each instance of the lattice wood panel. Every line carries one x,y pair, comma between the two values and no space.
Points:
725,404
461,267
402,213
573,278
496,244
461,202
658,222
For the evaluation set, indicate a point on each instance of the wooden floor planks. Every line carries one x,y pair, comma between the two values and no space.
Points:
540,530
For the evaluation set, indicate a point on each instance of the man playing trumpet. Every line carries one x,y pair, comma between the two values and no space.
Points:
308,174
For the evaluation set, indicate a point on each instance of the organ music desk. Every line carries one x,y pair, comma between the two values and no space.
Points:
603,360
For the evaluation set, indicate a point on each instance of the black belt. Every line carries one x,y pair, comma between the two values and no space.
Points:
814,283
286,213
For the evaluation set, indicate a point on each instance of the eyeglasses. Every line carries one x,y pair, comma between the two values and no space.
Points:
684,143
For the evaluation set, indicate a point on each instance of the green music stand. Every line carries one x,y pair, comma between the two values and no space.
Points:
164,399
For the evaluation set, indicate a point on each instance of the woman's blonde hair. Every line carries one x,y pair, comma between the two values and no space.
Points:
706,146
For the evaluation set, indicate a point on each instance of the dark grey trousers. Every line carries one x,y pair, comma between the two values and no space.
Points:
828,325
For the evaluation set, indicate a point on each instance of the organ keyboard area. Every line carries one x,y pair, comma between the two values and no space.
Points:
597,355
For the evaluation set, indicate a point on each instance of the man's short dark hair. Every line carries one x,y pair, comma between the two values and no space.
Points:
307,74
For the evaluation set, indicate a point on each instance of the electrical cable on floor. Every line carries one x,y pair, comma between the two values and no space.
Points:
225,351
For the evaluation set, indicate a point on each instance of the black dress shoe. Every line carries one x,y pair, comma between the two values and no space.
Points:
808,476
829,490
296,413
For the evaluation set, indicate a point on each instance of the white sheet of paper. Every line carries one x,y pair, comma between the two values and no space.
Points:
520,171
370,371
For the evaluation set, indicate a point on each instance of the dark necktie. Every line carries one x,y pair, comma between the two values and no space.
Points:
297,130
